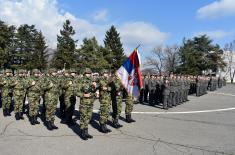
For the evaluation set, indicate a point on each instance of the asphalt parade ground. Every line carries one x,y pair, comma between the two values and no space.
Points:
203,126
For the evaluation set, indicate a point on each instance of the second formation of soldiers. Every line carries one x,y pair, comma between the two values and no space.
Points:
170,91
37,94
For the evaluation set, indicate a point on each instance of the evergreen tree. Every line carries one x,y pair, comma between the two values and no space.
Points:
7,34
200,54
40,55
22,55
112,42
91,55
65,54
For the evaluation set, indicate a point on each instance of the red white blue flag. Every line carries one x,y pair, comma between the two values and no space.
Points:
130,74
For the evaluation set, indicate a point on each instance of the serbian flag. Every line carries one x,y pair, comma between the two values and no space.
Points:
130,74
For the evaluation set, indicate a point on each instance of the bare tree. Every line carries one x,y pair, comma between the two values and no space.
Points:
172,58
164,58
156,60
229,57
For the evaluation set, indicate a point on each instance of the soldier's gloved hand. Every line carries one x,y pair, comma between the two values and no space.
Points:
97,93
87,95
94,84
105,88
70,82
4,82
33,83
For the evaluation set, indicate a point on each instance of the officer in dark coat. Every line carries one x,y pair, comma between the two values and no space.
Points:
152,88
146,88
166,93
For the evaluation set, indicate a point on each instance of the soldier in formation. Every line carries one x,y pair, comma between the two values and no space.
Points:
66,86
170,91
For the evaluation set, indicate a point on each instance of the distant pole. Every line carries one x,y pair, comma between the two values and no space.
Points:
137,46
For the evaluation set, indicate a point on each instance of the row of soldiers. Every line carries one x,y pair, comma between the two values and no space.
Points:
173,90
66,88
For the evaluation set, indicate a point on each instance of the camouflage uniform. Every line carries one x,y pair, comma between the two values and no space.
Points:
70,91
7,92
19,94
105,101
61,79
52,90
129,107
34,93
86,103
116,96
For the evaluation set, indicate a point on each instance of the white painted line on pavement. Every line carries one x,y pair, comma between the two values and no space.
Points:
185,112
222,94
177,112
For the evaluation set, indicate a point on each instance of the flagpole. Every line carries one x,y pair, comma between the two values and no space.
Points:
137,47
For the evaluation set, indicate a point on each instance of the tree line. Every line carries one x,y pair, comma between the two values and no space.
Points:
195,56
25,47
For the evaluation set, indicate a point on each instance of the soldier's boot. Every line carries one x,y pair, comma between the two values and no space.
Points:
69,119
102,128
53,125
87,134
21,115
71,122
35,120
106,128
31,120
4,113
165,107
17,116
116,124
83,135
8,112
119,125
49,126
129,119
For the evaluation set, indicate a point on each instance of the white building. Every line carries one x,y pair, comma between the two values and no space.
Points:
229,71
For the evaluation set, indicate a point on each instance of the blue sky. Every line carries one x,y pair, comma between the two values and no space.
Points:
149,22
179,18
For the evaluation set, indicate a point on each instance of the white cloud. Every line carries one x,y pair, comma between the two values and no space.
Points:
134,33
49,18
217,9
217,34
101,15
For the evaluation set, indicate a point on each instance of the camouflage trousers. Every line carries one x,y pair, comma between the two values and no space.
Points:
69,100
51,101
105,105
34,101
119,106
19,102
129,105
6,100
85,108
